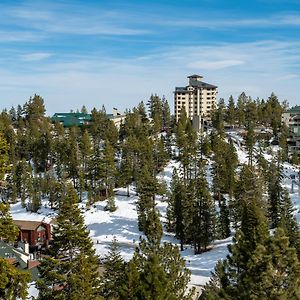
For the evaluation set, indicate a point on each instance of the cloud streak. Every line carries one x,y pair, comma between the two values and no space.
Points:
71,19
215,65
74,54
223,23
38,56
256,68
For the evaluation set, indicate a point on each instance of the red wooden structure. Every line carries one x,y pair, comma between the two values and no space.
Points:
36,234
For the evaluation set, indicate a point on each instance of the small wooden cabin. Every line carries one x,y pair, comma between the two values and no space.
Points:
36,233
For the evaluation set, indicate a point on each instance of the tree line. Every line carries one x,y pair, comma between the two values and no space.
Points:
211,197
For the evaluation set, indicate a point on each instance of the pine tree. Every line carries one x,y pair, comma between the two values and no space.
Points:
231,114
274,112
240,107
147,189
72,254
86,151
8,230
284,133
13,282
238,275
109,168
249,186
4,148
218,117
72,152
274,193
114,268
111,204
250,142
259,266
284,270
153,227
203,215
180,198
170,214
159,272
131,285
288,221
223,225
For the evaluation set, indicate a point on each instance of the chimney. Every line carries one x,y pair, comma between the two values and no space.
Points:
32,263
26,248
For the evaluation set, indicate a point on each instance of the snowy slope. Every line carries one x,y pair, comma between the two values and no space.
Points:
122,223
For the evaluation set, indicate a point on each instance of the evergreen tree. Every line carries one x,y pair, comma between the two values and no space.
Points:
114,268
108,168
251,112
249,186
34,109
86,151
180,198
170,214
231,114
8,230
71,272
219,117
159,273
111,204
72,153
4,148
240,108
284,133
223,229
274,193
288,221
259,266
13,282
147,188
274,111
203,215
153,228
250,142
84,110
131,286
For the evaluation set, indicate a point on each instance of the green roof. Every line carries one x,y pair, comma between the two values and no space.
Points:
8,251
72,119
295,109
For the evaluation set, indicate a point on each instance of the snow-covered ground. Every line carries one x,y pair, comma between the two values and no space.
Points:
122,223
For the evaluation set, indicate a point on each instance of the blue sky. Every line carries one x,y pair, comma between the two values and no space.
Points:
119,52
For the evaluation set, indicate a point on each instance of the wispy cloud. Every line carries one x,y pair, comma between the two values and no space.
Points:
292,19
73,19
101,54
256,68
35,56
215,65
7,36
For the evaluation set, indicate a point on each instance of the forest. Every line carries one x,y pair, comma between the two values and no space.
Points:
43,160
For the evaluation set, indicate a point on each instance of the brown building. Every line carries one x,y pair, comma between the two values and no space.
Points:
36,234
291,118
197,99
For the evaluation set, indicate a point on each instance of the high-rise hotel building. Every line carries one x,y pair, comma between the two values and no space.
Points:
198,98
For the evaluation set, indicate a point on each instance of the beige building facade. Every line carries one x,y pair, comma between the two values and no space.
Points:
197,98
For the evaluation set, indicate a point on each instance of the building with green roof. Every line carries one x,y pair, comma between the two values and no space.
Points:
81,119
72,119
20,259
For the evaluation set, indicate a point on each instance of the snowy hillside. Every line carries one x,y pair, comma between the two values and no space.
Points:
123,224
